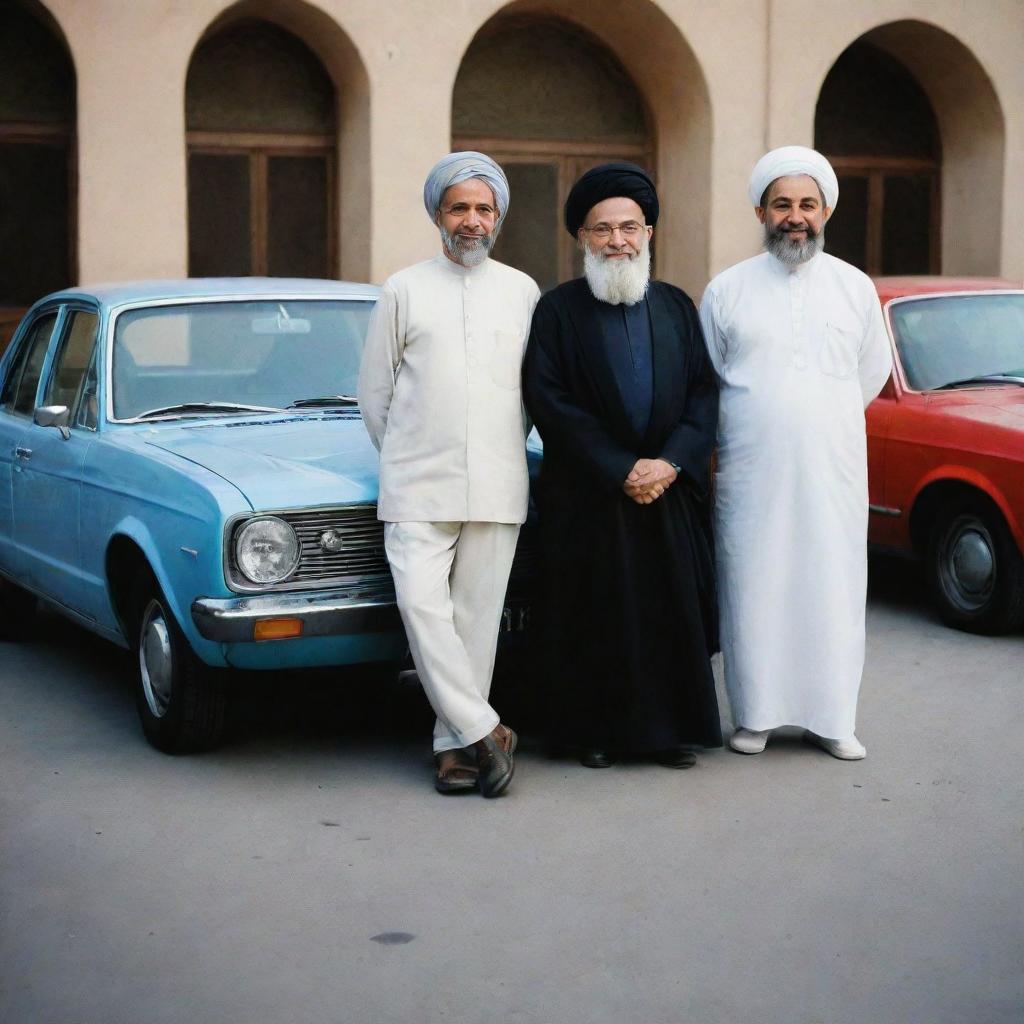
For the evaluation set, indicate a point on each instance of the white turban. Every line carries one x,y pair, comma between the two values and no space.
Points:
457,167
792,160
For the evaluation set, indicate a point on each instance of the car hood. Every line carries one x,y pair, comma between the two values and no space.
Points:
282,463
999,406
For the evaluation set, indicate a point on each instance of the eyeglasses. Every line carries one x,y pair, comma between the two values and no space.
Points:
602,232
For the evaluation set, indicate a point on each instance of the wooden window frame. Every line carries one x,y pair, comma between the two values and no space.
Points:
571,158
259,147
875,170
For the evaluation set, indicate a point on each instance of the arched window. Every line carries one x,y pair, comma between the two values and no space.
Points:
547,101
260,115
876,125
37,131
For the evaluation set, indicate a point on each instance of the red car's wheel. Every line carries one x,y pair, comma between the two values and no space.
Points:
975,570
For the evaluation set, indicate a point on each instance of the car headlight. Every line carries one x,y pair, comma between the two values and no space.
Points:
266,550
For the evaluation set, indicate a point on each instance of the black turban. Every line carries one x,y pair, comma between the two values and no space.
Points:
605,182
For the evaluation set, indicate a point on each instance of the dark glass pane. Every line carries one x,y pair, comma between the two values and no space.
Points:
37,83
255,77
847,229
542,78
219,219
870,105
297,220
529,237
34,244
906,225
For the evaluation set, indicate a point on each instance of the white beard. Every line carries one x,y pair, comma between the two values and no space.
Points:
618,282
468,252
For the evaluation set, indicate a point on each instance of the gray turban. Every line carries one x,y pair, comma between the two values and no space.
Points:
458,167
791,160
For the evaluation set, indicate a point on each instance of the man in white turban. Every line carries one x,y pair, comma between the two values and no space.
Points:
440,396
797,339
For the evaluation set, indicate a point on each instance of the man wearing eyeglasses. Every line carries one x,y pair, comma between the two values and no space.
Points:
619,384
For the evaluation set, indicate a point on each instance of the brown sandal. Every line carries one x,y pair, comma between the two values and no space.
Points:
456,772
506,737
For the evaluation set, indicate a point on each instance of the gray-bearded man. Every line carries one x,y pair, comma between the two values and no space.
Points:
439,391
619,384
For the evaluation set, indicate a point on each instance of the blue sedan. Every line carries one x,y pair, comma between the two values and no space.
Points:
183,471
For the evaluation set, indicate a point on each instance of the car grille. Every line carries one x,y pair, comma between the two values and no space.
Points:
361,565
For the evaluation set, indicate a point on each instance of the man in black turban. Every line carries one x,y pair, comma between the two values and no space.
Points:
618,382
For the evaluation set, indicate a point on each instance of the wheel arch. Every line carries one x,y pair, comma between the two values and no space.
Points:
938,491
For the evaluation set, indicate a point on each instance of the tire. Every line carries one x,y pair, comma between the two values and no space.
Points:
975,571
17,611
181,702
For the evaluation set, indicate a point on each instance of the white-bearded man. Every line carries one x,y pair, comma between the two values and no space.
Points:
800,348
619,383
439,390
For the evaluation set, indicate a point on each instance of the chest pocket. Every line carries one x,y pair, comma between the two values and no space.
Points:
838,353
506,363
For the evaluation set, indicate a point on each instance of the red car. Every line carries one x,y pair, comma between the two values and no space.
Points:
946,444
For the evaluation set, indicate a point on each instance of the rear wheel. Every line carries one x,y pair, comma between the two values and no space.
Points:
181,702
975,571
17,611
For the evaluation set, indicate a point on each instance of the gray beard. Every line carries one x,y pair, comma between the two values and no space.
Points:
778,243
465,251
618,282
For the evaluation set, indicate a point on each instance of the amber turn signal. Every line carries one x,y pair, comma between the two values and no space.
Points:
277,629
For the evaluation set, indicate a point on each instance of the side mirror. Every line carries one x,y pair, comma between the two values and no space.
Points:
53,416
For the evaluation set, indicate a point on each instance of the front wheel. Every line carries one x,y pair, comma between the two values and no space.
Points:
975,571
181,702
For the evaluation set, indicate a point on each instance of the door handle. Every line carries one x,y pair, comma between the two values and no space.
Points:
23,453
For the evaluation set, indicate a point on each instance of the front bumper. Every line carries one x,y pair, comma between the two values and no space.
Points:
331,613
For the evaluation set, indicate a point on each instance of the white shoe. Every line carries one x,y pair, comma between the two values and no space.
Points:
749,741
846,750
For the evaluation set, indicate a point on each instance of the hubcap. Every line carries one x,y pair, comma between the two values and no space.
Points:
156,660
969,564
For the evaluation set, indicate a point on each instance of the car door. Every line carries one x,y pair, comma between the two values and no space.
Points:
47,482
17,402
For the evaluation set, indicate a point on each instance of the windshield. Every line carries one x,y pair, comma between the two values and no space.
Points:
954,338
255,354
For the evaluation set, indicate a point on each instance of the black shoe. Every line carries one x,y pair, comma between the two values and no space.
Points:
597,759
494,765
676,757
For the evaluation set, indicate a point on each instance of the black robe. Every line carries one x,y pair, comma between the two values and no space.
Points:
630,611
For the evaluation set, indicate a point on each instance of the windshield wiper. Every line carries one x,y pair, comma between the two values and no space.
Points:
165,410
301,403
985,378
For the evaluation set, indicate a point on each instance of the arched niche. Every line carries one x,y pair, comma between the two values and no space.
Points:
949,124
277,122
37,159
551,89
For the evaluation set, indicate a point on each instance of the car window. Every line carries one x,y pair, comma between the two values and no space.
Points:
88,402
259,352
22,383
69,367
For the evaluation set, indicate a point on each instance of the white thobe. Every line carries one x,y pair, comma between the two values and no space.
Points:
439,390
800,352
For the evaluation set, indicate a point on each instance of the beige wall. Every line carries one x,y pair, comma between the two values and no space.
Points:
722,81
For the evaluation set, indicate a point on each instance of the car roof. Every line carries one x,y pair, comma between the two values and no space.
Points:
899,287
131,292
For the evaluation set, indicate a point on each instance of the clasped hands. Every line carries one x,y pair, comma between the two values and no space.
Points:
648,480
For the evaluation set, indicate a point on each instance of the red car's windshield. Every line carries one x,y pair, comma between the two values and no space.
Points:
953,339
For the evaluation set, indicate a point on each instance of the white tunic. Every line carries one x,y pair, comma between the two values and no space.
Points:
439,390
800,353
